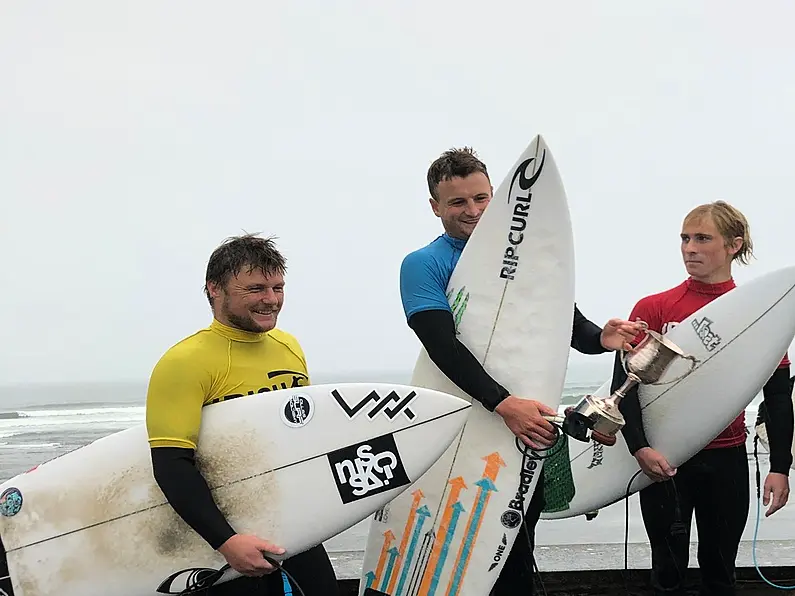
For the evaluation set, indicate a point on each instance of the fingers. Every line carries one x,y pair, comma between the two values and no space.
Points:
542,433
544,440
545,409
779,499
530,443
656,475
665,467
658,468
270,548
627,330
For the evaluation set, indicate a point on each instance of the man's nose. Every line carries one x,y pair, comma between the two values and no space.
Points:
269,296
472,208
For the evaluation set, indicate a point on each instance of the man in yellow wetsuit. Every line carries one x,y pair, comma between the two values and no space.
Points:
240,353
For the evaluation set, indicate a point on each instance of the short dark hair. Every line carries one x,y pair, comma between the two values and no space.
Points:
238,252
454,163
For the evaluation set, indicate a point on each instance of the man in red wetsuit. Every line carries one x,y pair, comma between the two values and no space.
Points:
713,484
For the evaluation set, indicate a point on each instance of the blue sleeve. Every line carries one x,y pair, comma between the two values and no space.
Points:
423,285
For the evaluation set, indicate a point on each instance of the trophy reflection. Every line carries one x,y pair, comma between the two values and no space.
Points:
645,365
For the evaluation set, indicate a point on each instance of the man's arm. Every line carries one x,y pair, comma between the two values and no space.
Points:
423,293
629,406
779,419
586,336
436,331
423,284
173,416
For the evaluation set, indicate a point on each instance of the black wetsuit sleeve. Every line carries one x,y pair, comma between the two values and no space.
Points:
629,406
187,492
586,336
436,331
779,420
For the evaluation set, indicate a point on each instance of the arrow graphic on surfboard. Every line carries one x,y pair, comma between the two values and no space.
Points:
422,514
433,570
485,488
417,494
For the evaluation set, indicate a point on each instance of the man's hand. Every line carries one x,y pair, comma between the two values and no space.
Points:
654,464
244,553
776,485
617,334
525,418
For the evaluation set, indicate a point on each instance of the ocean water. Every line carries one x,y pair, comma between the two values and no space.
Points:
39,422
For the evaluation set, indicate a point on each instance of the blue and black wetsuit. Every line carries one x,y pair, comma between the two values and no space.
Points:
424,277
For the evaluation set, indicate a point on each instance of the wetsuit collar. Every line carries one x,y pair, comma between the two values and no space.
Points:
710,289
456,242
235,334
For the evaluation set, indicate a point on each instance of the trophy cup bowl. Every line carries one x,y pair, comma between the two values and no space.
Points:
646,364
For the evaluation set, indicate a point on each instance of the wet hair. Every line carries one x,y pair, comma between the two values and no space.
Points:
454,163
237,253
731,224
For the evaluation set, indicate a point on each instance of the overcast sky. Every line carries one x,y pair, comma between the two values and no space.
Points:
135,136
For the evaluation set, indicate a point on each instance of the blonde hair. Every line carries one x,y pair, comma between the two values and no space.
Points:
731,224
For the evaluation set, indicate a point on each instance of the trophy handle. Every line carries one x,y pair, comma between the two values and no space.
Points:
623,352
693,363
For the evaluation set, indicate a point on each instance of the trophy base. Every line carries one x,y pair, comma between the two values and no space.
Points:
601,416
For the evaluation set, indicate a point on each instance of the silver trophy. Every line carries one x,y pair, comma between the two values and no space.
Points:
646,364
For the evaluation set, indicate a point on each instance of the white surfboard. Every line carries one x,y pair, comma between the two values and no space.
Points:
739,340
294,466
513,292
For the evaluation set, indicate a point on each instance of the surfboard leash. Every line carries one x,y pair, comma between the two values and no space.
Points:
626,529
758,518
205,583
286,577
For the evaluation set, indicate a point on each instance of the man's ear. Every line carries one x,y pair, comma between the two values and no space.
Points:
213,289
435,206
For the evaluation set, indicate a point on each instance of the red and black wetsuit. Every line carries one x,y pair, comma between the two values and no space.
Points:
713,484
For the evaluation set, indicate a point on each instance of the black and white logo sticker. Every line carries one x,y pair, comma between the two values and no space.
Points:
379,404
708,337
511,519
297,410
367,468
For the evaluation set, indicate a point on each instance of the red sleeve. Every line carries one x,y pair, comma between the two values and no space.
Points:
785,361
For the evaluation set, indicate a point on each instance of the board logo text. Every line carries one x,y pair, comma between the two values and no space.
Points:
367,468
188,581
380,404
708,337
512,516
501,548
522,200
598,454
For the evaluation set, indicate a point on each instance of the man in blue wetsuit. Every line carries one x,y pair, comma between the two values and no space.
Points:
460,191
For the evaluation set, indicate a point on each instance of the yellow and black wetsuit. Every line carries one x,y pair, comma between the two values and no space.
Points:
212,365
216,364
